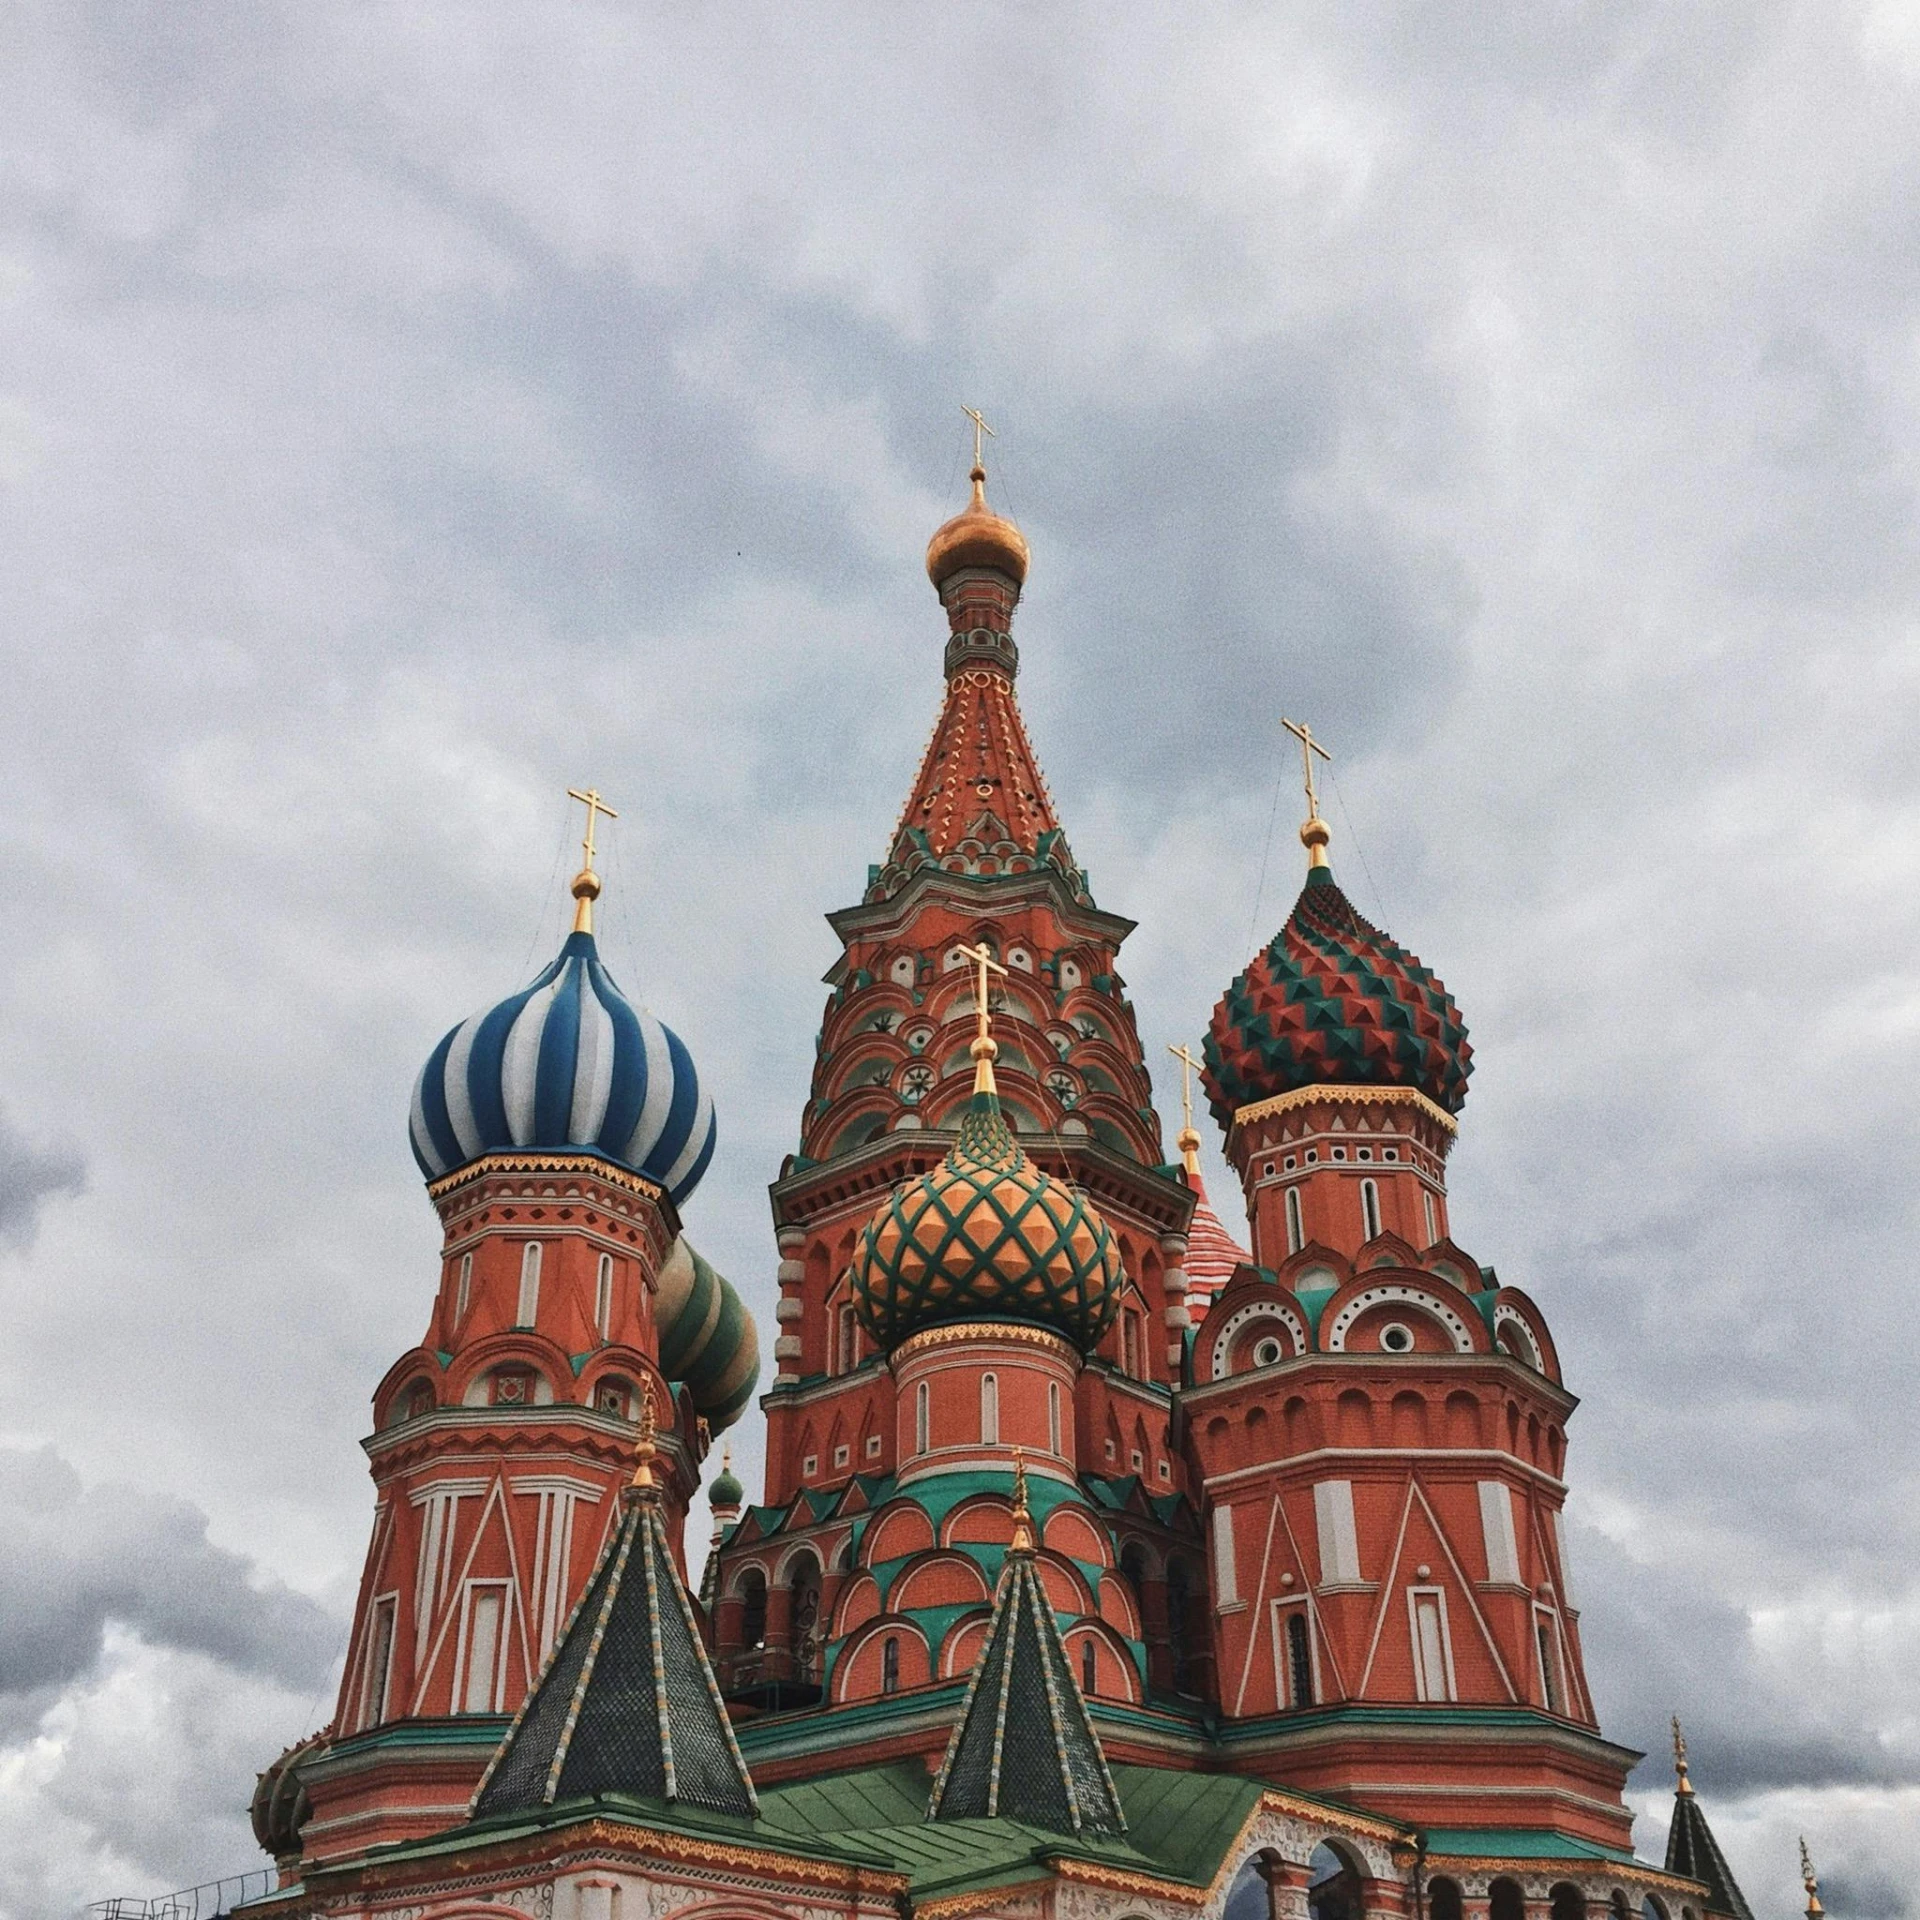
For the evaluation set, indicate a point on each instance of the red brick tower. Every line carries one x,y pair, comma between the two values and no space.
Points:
1380,1426
560,1130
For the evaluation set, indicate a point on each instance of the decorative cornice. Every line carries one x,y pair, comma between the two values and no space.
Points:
987,1899
957,1332
1356,1096
589,1166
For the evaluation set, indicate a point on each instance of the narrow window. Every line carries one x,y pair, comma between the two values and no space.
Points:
1087,1666
921,1421
1053,1416
753,1609
1299,1658
1370,1208
989,1409
1130,1345
529,1285
373,1690
465,1293
890,1666
1296,1233
1226,1584
1339,1543
603,1296
483,1648
847,1339
1496,1525
1560,1552
1549,1664
1432,1666
1433,1226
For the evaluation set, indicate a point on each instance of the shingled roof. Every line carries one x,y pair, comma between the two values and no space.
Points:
1024,1748
628,1702
1692,1850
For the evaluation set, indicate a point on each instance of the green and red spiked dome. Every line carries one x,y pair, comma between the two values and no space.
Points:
1332,1001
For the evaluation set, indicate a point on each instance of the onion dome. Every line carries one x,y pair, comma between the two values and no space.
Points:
726,1494
986,1234
976,536
280,1807
708,1341
566,1065
1333,1001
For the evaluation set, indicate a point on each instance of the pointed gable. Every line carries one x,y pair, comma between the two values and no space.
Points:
1694,1853
628,1702
1025,1748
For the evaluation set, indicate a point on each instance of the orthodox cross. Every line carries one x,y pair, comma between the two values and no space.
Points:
979,427
1188,1066
983,1048
595,806
1309,746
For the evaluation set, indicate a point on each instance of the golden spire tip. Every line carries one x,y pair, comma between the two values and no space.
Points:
1314,835
1022,1516
1808,1879
1188,1141
643,1485
1682,1785
984,1048
586,883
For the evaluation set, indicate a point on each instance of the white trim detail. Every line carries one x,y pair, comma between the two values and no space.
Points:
1280,1310
1496,1525
1396,1293
1339,1542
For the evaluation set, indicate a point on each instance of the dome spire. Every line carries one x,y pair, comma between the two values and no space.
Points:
1189,1141
976,536
1313,834
1811,1882
984,1048
1681,1784
586,883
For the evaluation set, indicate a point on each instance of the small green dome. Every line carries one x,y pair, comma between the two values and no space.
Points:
987,1233
726,1490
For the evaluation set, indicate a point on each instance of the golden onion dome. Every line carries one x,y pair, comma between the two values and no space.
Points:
977,537
986,1234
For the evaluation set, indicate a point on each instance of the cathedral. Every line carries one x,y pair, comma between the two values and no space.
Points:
1104,1566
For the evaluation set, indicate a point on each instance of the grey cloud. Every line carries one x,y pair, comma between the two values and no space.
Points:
82,1558
30,1176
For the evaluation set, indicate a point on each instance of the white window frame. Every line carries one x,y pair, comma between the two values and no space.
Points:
1296,1226
1226,1575
922,1418
463,1293
1053,1418
471,1591
1433,1217
1498,1534
1370,1208
531,1257
1293,1606
1427,1685
378,1656
1553,1683
1339,1537
989,1409
1560,1554
603,1295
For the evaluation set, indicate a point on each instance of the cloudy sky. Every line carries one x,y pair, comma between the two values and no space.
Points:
409,410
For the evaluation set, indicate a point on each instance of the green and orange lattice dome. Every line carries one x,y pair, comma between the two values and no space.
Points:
987,1235
1332,1001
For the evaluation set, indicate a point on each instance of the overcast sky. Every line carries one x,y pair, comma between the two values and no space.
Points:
408,411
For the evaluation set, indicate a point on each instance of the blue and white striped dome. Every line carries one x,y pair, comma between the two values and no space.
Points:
567,1065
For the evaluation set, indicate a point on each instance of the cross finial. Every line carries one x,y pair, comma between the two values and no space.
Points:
1022,1541
1814,1908
980,428
1681,1783
983,1048
1189,1141
642,1486
1314,835
586,883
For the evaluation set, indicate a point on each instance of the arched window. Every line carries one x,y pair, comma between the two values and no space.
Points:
1248,1898
989,1409
1370,1208
849,1342
1089,1665
1549,1662
1433,1225
753,1608
1296,1232
1443,1899
603,1295
804,1615
1504,1901
1299,1658
890,1665
1567,1902
465,1294
1053,1416
921,1418
529,1285
1333,1886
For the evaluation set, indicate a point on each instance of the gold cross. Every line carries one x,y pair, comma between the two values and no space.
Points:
1188,1066
1309,746
979,427
595,806
983,1048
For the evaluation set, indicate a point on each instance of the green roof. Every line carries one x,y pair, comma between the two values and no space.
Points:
1517,1843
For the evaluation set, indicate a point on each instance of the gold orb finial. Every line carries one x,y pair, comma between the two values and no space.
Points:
586,883
1314,835
977,536
1022,1515
1810,1881
1187,1141
985,1049
643,1486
